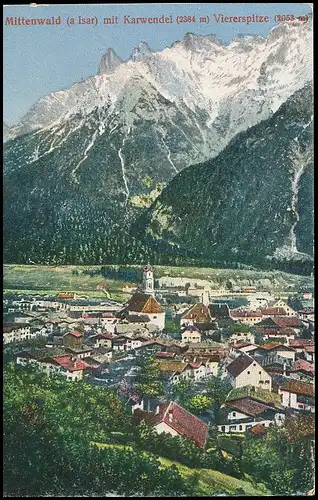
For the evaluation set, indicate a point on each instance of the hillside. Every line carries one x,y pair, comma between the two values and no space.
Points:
253,203
83,163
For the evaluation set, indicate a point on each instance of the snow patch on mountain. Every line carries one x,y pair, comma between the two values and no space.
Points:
236,85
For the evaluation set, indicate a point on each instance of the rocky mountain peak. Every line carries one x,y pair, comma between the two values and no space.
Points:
141,52
109,62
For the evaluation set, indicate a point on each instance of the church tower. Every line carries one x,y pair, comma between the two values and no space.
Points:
148,280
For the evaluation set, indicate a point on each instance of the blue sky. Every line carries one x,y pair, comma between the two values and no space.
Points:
42,59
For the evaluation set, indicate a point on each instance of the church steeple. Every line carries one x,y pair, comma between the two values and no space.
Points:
148,280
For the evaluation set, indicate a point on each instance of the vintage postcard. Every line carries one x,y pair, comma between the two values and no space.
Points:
158,326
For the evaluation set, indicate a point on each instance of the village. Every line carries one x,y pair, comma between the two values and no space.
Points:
262,352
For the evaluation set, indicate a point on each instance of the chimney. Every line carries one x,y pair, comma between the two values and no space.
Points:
157,409
170,415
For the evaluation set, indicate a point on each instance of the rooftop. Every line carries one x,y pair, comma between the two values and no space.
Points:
144,303
274,311
183,422
67,363
301,388
249,406
239,364
302,365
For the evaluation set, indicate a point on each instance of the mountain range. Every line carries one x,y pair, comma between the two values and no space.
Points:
85,164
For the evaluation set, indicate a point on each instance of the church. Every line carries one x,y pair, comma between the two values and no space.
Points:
143,301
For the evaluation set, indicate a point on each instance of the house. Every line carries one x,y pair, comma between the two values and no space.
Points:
289,311
307,314
34,356
79,352
272,350
69,367
92,318
246,412
172,419
273,312
219,311
269,330
131,342
16,332
174,371
259,301
207,349
107,318
165,355
101,339
239,347
297,395
131,397
66,295
119,343
198,313
246,317
145,304
300,344
73,339
309,351
288,322
191,334
199,370
244,370
302,370
242,337
276,365
211,363
256,393
153,346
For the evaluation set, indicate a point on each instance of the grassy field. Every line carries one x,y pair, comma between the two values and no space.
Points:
54,279
49,280
209,480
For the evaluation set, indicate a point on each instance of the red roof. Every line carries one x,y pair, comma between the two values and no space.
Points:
258,430
165,354
65,295
183,422
199,312
301,342
300,388
246,314
275,345
67,363
301,364
75,334
274,311
309,348
107,335
287,321
239,345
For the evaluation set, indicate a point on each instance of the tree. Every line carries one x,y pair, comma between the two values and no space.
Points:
181,391
199,403
284,465
148,381
49,424
217,388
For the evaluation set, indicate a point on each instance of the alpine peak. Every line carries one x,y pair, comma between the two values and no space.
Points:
109,62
